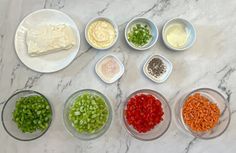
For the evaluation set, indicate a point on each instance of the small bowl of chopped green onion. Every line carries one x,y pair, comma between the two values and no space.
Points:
141,33
87,114
27,115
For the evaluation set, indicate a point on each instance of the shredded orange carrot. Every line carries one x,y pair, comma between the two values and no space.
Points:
199,113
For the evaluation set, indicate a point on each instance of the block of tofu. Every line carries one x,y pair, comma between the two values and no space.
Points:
47,39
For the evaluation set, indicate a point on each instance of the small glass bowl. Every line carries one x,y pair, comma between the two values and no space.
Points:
68,124
10,126
215,97
160,128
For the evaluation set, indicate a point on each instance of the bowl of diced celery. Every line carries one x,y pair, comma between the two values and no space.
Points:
87,114
26,115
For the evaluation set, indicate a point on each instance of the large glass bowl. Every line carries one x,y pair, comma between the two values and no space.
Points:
10,126
215,97
68,124
160,128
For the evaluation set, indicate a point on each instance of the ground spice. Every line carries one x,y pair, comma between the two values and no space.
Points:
156,67
144,112
200,114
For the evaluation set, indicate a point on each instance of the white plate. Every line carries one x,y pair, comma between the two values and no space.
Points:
51,62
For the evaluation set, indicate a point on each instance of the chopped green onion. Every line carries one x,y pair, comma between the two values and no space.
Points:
32,113
139,35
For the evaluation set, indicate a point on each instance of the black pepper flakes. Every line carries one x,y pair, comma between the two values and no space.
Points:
156,67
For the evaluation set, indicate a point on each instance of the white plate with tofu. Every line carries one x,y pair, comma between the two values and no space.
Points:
47,40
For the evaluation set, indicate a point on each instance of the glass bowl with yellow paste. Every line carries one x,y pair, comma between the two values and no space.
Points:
178,34
101,33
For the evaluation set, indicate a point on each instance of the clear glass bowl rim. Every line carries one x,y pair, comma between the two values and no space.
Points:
225,102
123,116
8,100
110,117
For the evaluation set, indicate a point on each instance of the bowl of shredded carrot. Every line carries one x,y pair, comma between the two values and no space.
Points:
204,113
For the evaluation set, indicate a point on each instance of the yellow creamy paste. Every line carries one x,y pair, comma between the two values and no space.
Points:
101,34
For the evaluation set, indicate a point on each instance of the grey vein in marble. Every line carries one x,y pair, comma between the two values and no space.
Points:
223,82
83,52
100,12
221,70
62,86
13,73
55,4
89,51
161,5
128,144
118,95
45,3
190,145
87,62
32,80
175,95
66,85
59,84
233,112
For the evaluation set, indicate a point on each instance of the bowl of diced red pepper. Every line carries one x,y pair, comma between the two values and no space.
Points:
146,114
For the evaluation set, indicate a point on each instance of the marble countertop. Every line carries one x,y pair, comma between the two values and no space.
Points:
210,63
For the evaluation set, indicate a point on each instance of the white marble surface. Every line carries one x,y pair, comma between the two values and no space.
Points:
210,63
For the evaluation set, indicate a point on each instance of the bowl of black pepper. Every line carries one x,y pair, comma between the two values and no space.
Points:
157,68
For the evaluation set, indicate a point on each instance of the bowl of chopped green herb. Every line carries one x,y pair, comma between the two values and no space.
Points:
87,114
141,33
26,115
